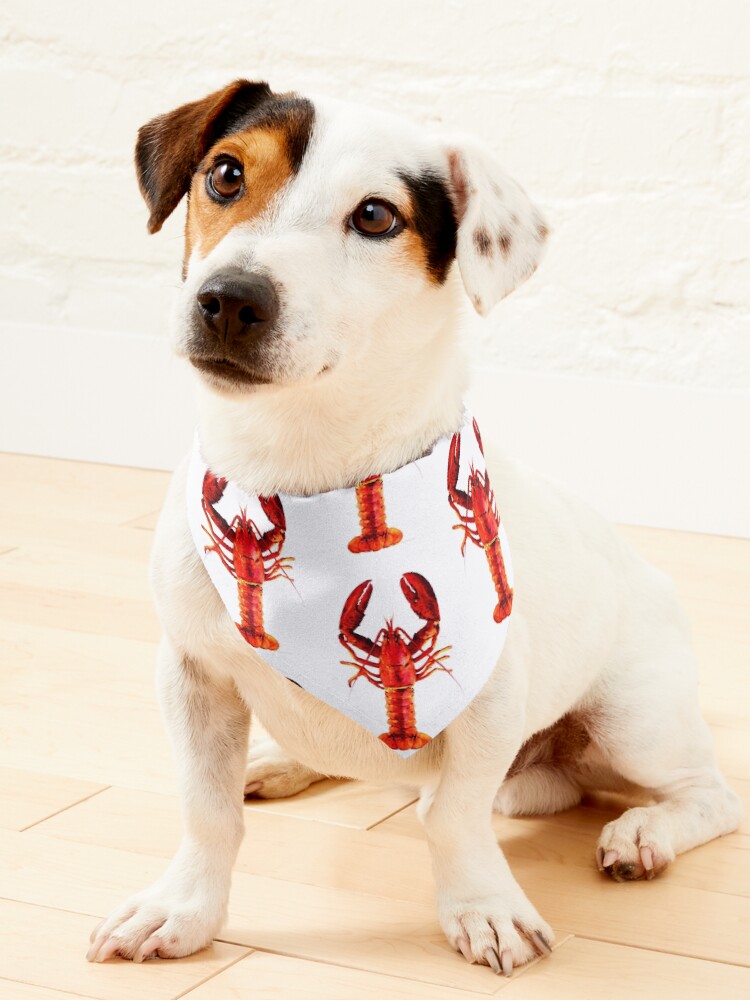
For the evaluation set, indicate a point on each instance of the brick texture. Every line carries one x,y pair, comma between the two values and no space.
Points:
629,123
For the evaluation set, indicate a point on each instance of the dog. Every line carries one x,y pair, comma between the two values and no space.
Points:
327,251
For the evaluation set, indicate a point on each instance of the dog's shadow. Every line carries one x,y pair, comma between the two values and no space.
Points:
566,838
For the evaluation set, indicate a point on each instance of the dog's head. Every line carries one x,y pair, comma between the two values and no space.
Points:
312,225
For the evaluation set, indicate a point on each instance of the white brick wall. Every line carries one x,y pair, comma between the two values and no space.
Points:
629,122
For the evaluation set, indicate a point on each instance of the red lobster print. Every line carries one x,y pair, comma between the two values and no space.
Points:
251,556
371,509
480,521
395,660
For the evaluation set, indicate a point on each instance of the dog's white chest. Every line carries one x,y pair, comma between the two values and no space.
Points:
389,601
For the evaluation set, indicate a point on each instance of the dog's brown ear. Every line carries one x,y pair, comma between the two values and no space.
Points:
501,234
170,147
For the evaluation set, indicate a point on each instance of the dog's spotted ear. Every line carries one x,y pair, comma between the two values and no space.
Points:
501,234
170,147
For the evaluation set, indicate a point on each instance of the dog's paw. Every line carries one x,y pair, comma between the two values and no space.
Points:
272,774
154,925
636,845
496,931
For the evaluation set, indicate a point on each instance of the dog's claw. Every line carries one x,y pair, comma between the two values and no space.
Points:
541,943
107,950
609,858
647,859
463,947
149,949
493,961
94,949
506,963
95,933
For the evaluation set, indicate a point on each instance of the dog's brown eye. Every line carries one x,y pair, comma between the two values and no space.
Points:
225,180
374,217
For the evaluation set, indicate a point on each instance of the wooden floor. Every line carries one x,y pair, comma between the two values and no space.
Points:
332,895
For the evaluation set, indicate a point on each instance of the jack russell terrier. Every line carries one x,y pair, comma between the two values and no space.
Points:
306,565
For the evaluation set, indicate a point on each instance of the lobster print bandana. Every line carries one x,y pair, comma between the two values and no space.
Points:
389,601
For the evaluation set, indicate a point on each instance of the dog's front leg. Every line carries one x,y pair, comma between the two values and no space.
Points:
484,912
183,910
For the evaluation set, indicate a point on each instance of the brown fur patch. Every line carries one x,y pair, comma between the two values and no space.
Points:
170,147
482,242
561,745
504,241
264,155
412,249
542,231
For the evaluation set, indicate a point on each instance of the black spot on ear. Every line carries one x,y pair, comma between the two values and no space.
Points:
292,114
482,242
434,219
504,241
245,101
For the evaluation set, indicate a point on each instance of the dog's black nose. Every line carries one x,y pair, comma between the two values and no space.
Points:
234,304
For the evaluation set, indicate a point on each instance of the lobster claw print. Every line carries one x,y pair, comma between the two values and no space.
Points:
418,618
394,660
479,520
252,557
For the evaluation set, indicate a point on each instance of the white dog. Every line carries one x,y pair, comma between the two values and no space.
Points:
319,308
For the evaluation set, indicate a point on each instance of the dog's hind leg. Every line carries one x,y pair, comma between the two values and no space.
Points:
272,774
542,780
540,790
651,732
183,910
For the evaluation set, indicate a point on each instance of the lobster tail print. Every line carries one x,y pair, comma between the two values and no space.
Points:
500,580
402,723
395,660
375,534
251,617
479,521
252,557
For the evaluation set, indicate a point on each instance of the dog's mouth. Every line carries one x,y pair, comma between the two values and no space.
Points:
223,370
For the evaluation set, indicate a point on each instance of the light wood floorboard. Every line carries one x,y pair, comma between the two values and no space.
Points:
333,893
40,946
28,798
582,969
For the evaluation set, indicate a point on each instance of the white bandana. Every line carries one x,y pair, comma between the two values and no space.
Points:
388,601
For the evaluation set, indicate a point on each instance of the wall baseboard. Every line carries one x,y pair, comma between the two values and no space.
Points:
659,455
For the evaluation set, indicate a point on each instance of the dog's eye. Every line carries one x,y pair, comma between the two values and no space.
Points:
374,217
224,181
